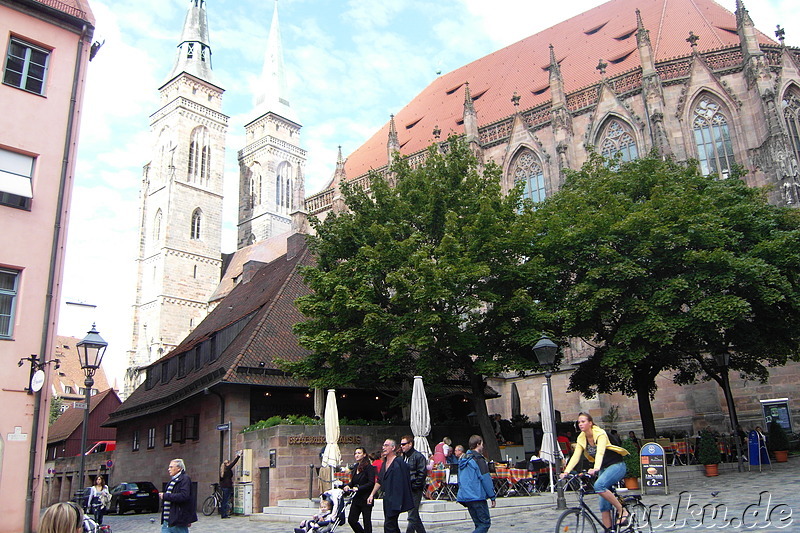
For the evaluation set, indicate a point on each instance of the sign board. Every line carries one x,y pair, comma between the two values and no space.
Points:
223,427
79,405
777,410
528,440
37,381
654,470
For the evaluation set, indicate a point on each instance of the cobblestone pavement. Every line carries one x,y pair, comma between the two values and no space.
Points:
757,501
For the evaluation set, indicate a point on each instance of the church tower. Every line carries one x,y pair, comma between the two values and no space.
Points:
180,235
272,162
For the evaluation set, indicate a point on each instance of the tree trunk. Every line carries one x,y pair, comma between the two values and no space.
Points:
645,409
490,447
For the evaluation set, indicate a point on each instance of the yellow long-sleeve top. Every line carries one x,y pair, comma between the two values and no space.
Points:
601,441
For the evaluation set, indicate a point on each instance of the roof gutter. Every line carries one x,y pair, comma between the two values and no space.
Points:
55,262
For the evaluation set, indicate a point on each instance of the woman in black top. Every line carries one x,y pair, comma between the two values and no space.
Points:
226,483
362,482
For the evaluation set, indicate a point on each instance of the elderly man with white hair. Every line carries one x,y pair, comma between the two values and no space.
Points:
179,507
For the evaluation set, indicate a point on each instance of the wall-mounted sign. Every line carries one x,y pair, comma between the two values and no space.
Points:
654,470
301,440
37,381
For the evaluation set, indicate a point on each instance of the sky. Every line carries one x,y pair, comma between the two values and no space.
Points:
349,63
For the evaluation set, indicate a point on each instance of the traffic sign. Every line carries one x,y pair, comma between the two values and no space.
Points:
223,427
79,405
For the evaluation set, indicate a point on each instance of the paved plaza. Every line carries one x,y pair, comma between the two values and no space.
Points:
756,501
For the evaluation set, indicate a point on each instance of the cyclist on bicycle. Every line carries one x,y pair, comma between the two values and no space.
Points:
608,465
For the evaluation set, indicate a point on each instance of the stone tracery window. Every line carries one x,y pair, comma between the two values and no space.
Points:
526,169
283,187
199,156
712,137
791,112
616,138
197,217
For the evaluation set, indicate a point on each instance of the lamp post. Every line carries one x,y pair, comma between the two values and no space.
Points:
90,352
545,351
723,359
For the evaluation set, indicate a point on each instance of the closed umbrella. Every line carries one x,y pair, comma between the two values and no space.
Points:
420,417
331,456
548,452
516,408
319,402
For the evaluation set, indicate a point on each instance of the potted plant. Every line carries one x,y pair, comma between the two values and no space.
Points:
632,466
708,452
778,442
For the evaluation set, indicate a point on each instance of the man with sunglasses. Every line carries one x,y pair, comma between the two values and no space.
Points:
418,464
178,511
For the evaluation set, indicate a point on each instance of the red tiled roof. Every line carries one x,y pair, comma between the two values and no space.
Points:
77,8
68,422
605,32
70,372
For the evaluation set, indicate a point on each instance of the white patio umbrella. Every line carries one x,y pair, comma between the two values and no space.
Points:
552,456
420,417
331,456
319,402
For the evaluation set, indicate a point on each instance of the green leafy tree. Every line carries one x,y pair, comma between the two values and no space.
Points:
423,278
55,408
658,267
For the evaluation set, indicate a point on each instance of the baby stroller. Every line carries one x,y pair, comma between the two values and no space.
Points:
338,509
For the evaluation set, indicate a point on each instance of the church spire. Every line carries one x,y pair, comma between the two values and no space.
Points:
194,48
272,94
470,116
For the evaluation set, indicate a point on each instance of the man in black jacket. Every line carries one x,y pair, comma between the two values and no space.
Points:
418,464
179,511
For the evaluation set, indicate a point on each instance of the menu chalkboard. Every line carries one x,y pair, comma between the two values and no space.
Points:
654,470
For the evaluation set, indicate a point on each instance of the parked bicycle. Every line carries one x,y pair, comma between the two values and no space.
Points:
214,502
582,519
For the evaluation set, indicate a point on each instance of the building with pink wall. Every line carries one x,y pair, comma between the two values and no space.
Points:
45,48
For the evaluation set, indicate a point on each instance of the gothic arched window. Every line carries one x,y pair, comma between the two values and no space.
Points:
199,156
255,185
791,112
526,169
165,154
616,138
283,186
197,217
712,138
157,226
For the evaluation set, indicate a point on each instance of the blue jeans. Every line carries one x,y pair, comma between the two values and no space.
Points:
226,497
608,477
165,528
479,512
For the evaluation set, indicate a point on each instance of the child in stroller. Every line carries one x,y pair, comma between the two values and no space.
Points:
331,512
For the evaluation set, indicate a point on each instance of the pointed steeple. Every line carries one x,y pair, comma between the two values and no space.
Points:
556,81
194,48
747,32
393,144
644,46
272,94
339,177
470,116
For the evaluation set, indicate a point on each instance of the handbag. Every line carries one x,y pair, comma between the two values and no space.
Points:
105,499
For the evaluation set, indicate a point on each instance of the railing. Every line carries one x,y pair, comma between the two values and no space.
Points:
66,8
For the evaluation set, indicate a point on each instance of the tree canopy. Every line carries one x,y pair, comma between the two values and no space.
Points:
423,278
658,268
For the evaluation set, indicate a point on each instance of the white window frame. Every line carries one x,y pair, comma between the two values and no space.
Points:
11,293
26,74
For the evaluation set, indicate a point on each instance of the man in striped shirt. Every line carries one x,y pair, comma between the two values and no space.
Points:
179,506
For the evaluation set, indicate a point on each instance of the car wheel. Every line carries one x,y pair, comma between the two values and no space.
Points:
118,508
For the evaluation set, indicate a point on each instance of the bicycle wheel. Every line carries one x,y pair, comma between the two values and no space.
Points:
572,492
640,518
575,521
209,506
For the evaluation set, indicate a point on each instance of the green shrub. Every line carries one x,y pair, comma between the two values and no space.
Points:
777,439
632,466
708,449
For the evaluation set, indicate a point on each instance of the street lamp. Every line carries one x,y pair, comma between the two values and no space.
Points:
90,352
723,359
546,351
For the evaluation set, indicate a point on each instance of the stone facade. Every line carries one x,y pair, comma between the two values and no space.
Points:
180,235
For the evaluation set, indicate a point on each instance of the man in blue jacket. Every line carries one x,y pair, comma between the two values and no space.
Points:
179,506
475,485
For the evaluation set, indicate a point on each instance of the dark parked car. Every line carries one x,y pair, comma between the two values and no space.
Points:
135,495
